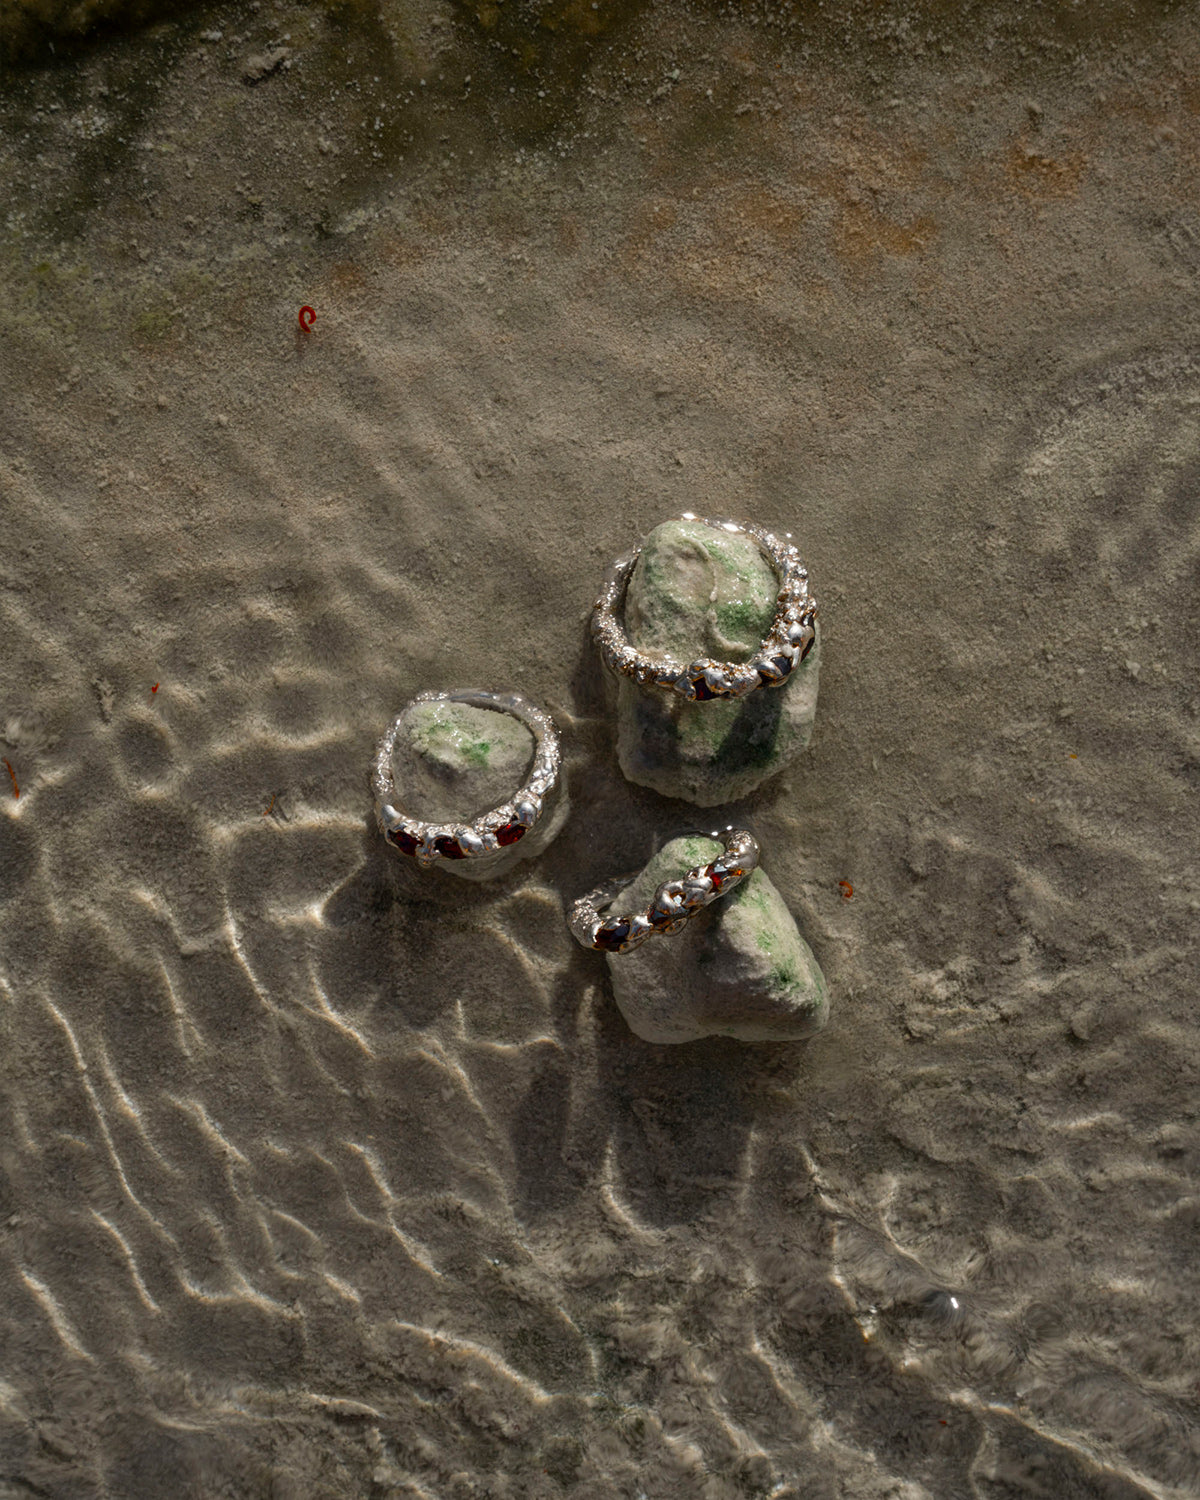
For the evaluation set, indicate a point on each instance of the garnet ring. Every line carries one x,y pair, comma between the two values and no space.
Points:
675,902
783,648
492,831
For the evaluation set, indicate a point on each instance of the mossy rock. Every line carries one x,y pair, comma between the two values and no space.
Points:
454,761
696,591
739,968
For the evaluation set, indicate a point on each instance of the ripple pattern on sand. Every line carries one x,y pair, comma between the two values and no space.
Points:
321,1178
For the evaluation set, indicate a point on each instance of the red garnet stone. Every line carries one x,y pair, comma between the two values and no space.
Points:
403,840
510,833
610,937
448,847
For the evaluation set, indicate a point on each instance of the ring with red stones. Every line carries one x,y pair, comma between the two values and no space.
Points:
492,831
785,645
675,902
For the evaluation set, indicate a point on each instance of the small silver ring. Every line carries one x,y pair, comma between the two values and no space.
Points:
785,645
674,904
492,831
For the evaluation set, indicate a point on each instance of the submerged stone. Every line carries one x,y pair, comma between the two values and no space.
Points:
453,761
696,591
739,968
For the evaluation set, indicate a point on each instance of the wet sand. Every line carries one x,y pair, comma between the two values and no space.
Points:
322,1179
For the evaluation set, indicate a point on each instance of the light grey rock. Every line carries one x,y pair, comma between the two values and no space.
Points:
453,761
739,968
694,592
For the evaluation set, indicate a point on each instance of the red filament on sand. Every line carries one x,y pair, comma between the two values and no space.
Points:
13,775
154,690
308,316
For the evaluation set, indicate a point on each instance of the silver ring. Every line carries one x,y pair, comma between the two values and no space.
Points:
492,831
785,645
675,902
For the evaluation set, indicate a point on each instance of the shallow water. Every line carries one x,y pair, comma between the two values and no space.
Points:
324,1179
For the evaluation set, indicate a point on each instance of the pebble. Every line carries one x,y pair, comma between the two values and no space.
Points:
453,761
739,968
694,592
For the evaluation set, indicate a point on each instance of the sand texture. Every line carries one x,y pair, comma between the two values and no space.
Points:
322,1178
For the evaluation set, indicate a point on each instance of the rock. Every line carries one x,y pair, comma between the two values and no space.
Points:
453,761
695,592
739,968
262,64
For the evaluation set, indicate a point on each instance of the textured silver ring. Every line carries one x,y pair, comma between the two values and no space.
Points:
785,645
675,902
492,831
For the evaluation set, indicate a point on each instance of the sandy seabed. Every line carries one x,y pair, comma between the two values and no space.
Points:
321,1179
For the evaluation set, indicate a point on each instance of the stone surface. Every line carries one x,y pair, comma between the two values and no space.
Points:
739,968
453,761
698,592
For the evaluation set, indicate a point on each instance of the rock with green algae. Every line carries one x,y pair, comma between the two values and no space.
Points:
454,761
739,968
698,592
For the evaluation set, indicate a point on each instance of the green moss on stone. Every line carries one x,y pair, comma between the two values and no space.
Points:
743,618
785,975
458,759
671,862
696,591
740,968
445,736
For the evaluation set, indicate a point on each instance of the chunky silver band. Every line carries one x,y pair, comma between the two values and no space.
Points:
786,644
491,831
675,902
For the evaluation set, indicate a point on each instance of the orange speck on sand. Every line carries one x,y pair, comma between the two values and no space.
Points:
13,776
1037,177
846,889
154,690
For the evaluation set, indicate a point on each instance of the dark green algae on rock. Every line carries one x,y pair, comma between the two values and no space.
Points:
739,968
699,592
